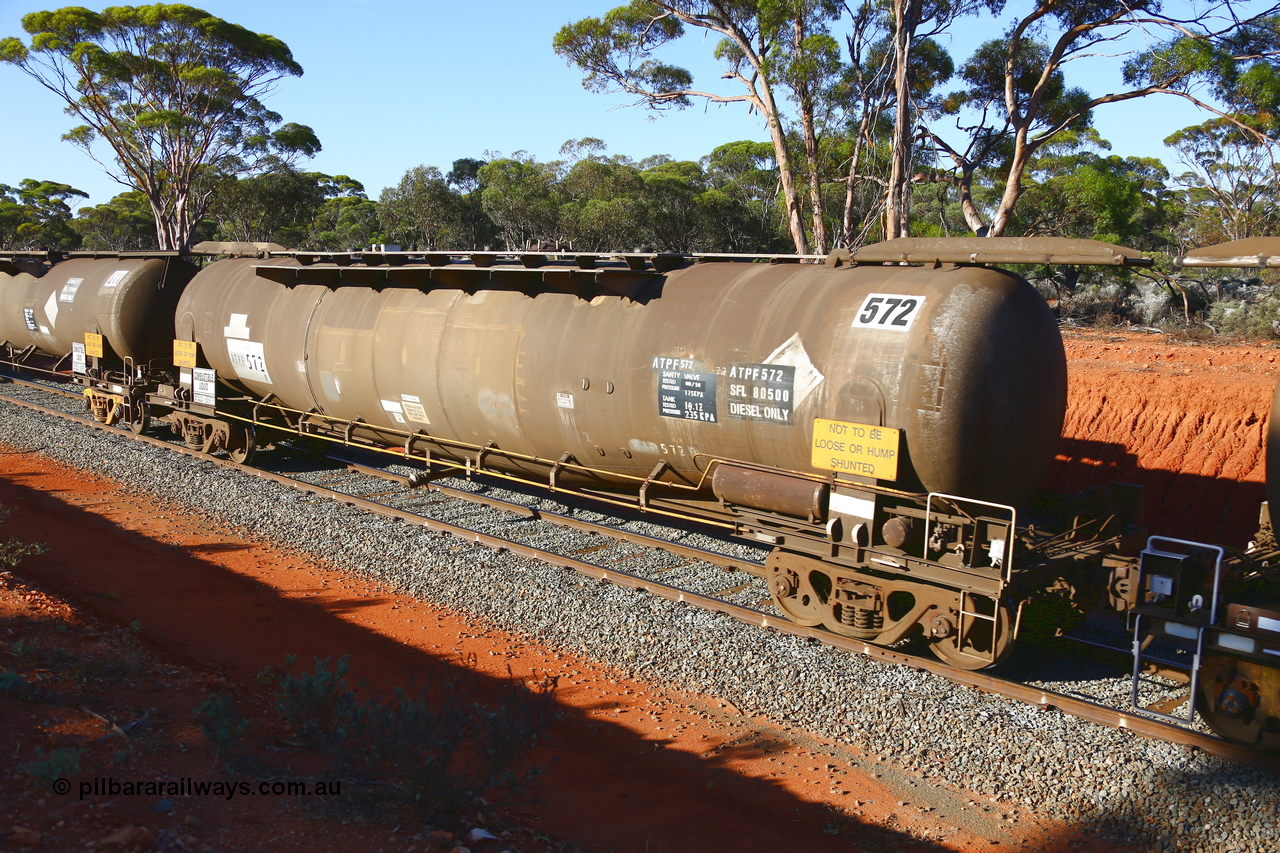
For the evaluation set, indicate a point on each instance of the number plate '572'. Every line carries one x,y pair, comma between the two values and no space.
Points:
894,311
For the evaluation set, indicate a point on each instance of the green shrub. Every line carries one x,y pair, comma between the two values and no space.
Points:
57,764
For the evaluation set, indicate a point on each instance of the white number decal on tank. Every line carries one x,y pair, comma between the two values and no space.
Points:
893,311
248,360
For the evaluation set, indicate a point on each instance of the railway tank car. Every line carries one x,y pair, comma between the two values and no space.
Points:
730,359
1225,616
876,420
109,315
879,419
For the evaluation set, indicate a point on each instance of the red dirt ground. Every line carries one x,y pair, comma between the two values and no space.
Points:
1187,421
631,766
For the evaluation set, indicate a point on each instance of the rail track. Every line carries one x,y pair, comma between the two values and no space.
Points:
719,602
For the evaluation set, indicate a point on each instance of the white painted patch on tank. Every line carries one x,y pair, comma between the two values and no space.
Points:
237,328
68,292
852,505
639,446
114,279
51,309
793,354
392,406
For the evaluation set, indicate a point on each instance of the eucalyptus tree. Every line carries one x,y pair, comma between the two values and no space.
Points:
278,206
124,224
475,230
914,26
673,218
603,205
347,220
742,179
771,50
36,214
421,210
523,197
176,95
891,83
1231,185
1017,100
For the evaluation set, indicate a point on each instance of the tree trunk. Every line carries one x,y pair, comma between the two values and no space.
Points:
906,14
972,217
811,157
1013,184
846,223
786,174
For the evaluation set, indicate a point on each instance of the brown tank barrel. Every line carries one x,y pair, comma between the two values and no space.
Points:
733,360
129,301
16,291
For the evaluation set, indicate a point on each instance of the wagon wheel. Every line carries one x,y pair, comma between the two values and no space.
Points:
978,648
1236,699
139,424
242,445
794,595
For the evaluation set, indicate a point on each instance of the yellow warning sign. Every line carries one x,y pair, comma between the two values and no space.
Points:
184,353
868,451
93,344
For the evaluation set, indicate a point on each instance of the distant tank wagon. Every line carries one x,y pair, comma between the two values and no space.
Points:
110,317
128,300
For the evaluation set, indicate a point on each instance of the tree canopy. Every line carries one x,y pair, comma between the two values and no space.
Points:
36,214
174,92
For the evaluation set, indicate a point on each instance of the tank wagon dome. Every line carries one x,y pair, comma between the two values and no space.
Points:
743,361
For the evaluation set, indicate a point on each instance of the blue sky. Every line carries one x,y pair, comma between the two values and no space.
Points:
391,84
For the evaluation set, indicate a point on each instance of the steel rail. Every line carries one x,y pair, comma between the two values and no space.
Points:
559,519
7,377
981,681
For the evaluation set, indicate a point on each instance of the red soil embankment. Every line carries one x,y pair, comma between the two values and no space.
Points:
1187,421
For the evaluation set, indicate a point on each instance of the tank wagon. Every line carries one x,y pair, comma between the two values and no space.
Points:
108,315
831,410
879,419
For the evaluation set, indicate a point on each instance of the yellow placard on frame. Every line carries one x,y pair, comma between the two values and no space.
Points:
93,344
184,353
862,449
